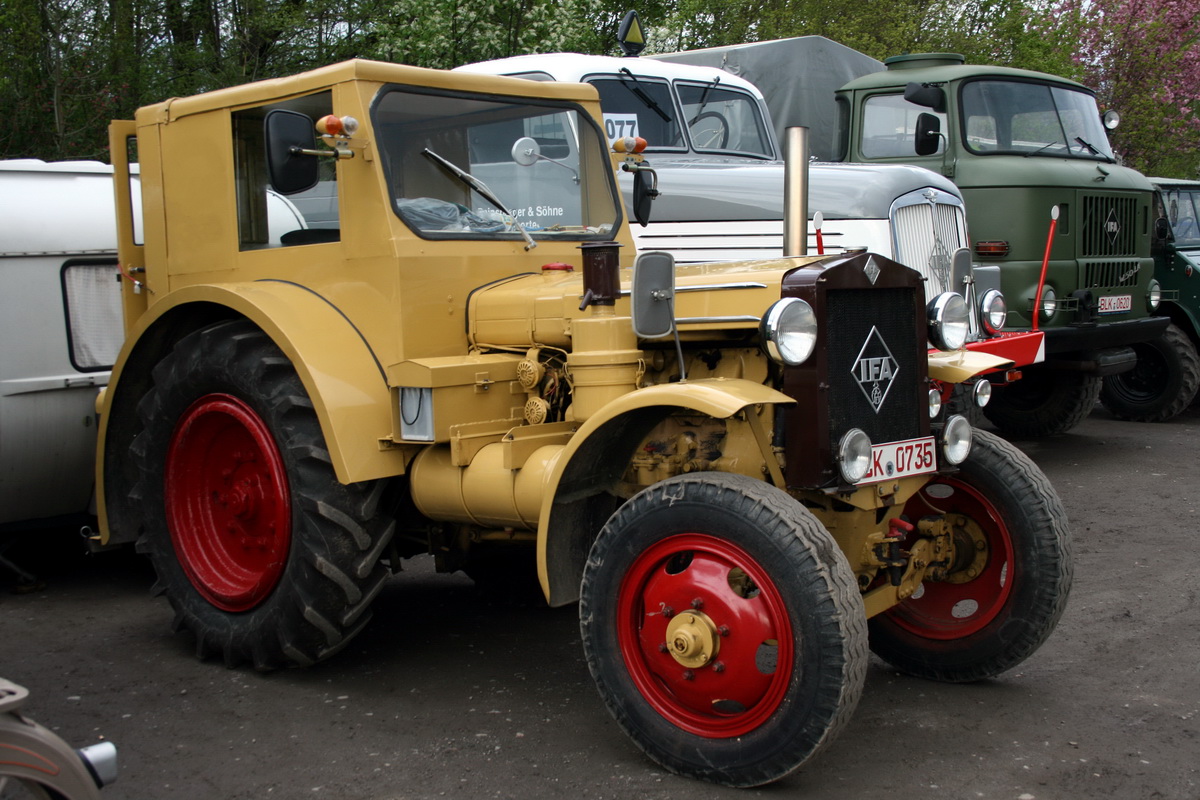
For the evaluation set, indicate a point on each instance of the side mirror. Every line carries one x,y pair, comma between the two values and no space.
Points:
960,270
526,151
926,96
287,134
928,134
645,189
652,295
1162,229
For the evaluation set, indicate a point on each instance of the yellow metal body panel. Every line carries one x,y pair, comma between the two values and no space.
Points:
962,365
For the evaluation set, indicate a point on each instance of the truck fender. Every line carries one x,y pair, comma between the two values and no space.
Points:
597,456
962,365
343,377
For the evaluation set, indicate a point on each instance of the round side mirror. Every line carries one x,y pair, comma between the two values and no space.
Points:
525,151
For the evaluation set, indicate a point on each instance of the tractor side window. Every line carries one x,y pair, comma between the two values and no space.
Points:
267,218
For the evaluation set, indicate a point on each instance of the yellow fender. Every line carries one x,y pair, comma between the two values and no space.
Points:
342,376
962,365
568,523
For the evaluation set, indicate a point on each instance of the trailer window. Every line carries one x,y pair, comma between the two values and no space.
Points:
95,325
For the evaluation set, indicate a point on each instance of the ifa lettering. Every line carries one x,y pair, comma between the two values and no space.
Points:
875,369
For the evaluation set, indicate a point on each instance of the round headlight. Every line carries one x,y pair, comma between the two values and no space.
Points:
854,455
949,321
935,403
956,440
1049,302
993,311
789,329
1154,295
983,392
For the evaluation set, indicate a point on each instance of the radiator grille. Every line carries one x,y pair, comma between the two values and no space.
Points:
1110,274
927,234
852,315
1109,226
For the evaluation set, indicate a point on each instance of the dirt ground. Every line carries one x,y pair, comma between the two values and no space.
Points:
447,695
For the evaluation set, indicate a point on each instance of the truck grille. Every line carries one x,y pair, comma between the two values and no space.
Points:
927,234
852,317
1109,226
1110,274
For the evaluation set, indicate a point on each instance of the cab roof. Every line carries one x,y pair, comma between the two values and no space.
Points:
943,68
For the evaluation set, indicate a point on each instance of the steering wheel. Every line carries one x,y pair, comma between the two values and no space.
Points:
709,129
1186,228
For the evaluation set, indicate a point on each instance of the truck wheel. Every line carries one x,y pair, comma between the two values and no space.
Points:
723,628
1161,385
1011,574
262,553
1043,403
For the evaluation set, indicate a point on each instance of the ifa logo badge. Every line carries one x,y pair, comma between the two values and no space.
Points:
875,369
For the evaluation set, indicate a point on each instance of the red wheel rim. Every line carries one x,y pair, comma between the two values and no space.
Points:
944,610
746,681
227,502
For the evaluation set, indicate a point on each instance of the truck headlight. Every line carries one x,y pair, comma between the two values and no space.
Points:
949,321
982,392
993,311
789,330
956,440
1049,302
1153,294
854,455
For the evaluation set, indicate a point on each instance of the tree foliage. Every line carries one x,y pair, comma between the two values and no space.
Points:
74,64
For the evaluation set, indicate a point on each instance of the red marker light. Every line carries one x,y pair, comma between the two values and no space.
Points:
629,144
330,125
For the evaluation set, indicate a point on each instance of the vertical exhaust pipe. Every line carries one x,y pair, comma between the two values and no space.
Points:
795,192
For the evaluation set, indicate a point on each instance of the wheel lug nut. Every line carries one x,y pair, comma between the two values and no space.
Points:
723,630
688,675
668,612
718,666
697,604
662,647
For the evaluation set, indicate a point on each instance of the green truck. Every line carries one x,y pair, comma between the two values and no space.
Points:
1030,154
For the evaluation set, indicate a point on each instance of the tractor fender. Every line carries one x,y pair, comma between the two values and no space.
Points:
962,365
596,458
343,377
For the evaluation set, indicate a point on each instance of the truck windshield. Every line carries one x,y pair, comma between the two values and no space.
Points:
562,187
723,120
639,106
1028,118
1183,210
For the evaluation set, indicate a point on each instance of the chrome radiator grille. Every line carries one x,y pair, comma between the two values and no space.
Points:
927,234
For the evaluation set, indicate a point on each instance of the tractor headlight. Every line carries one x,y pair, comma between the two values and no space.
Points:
854,455
935,403
789,329
1153,294
993,311
956,440
983,392
949,321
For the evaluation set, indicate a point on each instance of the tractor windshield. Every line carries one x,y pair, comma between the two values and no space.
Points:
545,165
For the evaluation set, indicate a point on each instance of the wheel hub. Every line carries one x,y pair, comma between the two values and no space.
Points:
970,551
692,639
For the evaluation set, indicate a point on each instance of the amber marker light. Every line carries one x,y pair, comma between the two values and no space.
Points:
998,249
629,144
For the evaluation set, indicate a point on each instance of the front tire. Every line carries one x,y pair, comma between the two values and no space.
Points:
1161,385
723,628
1012,572
263,555
1042,403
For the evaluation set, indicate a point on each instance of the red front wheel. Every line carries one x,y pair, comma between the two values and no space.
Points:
1010,576
723,628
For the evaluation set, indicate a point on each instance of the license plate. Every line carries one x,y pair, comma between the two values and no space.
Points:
1116,304
898,459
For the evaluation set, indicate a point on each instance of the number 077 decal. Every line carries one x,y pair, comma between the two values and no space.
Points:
618,126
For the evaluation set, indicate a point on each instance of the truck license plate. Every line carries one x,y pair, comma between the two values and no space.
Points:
898,459
1116,304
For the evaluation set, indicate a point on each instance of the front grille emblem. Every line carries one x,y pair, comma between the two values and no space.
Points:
875,369
871,269
1112,227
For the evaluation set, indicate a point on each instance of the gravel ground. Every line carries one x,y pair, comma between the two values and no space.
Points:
448,695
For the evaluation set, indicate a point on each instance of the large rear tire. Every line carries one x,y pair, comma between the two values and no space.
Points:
1043,403
264,556
1011,577
1161,385
723,628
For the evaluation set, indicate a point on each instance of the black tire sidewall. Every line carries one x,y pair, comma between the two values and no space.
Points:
1177,356
800,726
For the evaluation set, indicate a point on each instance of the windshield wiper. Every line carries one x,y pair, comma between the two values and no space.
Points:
1093,150
1043,147
481,188
641,94
704,99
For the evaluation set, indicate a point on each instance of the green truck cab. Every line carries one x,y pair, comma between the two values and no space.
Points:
1027,149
